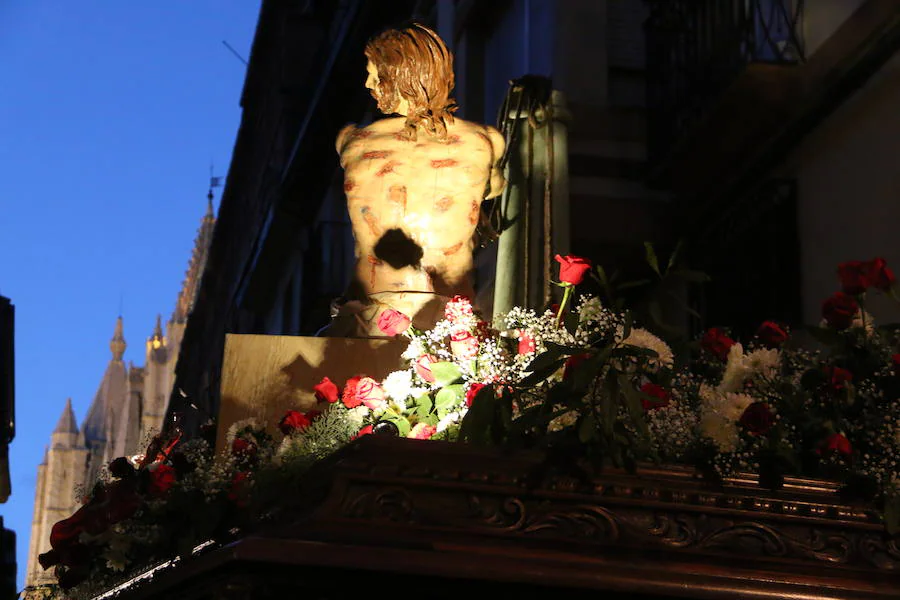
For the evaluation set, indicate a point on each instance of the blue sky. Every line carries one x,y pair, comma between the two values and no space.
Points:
110,115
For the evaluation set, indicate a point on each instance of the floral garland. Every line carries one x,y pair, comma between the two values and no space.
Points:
577,378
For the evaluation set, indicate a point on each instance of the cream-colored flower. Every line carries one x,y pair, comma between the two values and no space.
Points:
641,338
398,385
720,430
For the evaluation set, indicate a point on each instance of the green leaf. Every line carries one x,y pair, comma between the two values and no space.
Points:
477,422
424,405
563,350
448,397
651,257
674,256
445,373
629,323
543,359
541,374
634,406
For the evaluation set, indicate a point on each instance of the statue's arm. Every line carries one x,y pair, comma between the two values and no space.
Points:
343,137
498,145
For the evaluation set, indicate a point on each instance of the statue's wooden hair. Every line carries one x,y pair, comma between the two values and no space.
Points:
413,63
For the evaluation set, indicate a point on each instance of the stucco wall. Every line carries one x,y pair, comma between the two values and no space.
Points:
848,174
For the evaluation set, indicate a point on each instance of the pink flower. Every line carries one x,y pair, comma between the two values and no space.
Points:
326,391
370,393
393,322
421,431
423,367
463,344
526,342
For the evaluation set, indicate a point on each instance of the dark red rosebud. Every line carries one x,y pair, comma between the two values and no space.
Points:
758,418
121,468
472,392
854,276
572,268
836,443
293,421
349,397
243,447
717,343
839,310
572,363
771,334
367,430
838,378
660,396
238,488
880,275
896,360
162,478
326,391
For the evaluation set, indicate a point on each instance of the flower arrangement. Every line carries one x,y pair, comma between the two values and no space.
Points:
581,380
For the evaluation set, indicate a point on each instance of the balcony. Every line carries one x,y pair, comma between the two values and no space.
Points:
720,77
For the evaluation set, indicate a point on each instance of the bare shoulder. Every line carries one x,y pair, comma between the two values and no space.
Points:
344,136
498,142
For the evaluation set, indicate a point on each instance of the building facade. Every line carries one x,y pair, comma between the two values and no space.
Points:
126,411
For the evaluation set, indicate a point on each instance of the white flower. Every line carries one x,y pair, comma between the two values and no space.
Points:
591,309
237,426
414,350
642,338
449,419
398,386
720,430
762,363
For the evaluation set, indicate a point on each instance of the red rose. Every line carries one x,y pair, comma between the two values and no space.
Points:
854,276
661,394
572,268
880,275
838,378
839,310
896,360
716,343
423,367
370,393
472,392
757,418
367,430
238,488
421,431
526,343
463,344
294,421
349,396
162,478
392,322
572,363
326,391
243,447
771,334
836,443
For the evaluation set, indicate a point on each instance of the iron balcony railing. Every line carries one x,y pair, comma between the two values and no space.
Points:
696,48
